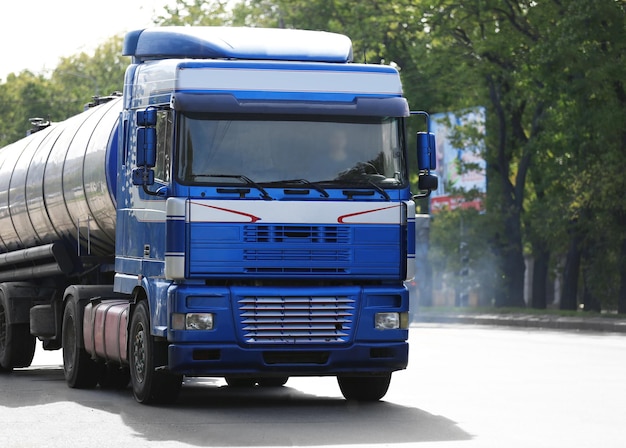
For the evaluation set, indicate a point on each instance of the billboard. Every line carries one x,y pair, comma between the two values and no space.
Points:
461,166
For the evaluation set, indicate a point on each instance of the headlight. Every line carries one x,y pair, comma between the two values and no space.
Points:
391,321
192,321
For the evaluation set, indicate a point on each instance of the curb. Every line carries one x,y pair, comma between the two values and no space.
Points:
597,324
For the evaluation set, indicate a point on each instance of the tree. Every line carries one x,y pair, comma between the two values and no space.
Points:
582,66
23,96
77,79
551,75
496,39
205,13
62,93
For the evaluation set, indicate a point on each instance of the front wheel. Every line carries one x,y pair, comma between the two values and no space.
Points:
81,372
240,382
152,383
364,388
113,376
274,381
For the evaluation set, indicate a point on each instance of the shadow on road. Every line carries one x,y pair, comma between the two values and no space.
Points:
211,414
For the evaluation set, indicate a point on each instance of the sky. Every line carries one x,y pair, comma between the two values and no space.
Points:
35,34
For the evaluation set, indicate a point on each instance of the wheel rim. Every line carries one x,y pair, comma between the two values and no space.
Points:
139,354
69,344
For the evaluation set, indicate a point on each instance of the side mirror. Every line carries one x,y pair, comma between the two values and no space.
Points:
426,161
146,147
427,182
143,176
147,117
426,151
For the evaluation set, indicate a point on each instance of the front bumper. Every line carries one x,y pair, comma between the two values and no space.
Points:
226,360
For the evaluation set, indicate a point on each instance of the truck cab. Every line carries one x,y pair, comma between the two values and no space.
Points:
263,220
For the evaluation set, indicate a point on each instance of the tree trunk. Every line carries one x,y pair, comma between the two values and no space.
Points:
621,215
513,266
621,300
590,301
541,266
571,272
513,281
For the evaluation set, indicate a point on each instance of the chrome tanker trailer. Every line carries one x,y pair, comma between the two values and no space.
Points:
242,211
57,225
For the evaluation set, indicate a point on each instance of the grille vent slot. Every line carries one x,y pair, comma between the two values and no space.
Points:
296,320
296,234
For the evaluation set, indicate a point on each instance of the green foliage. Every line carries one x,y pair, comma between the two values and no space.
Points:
22,97
550,74
582,65
554,73
197,13
62,93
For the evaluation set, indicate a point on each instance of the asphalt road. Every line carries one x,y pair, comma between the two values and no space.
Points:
466,386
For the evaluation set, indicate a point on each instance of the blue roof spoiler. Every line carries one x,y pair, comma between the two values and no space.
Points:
209,42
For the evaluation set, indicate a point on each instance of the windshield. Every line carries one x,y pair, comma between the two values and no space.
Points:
269,149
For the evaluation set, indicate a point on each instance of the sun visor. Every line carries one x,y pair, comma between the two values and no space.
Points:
227,103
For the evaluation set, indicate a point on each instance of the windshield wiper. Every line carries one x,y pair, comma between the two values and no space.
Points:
301,182
378,188
247,180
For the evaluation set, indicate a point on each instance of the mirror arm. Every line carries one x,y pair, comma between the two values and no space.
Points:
421,195
150,192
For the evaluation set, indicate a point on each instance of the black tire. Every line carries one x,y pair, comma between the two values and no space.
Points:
152,384
17,345
273,381
114,376
364,388
240,382
81,372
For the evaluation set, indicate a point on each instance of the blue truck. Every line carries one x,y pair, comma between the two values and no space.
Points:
241,210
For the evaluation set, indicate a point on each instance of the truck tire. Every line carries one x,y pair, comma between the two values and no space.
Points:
364,388
240,382
17,345
113,376
152,382
277,381
81,372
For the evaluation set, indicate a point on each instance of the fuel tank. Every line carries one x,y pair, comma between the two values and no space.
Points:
59,184
103,329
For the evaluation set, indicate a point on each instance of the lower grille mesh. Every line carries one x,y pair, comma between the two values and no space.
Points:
296,320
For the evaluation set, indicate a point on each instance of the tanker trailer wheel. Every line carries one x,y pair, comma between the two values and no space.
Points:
364,388
152,383
17,345
81,372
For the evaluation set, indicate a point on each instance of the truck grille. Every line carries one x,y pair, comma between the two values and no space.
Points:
295,249
296,320
296,234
